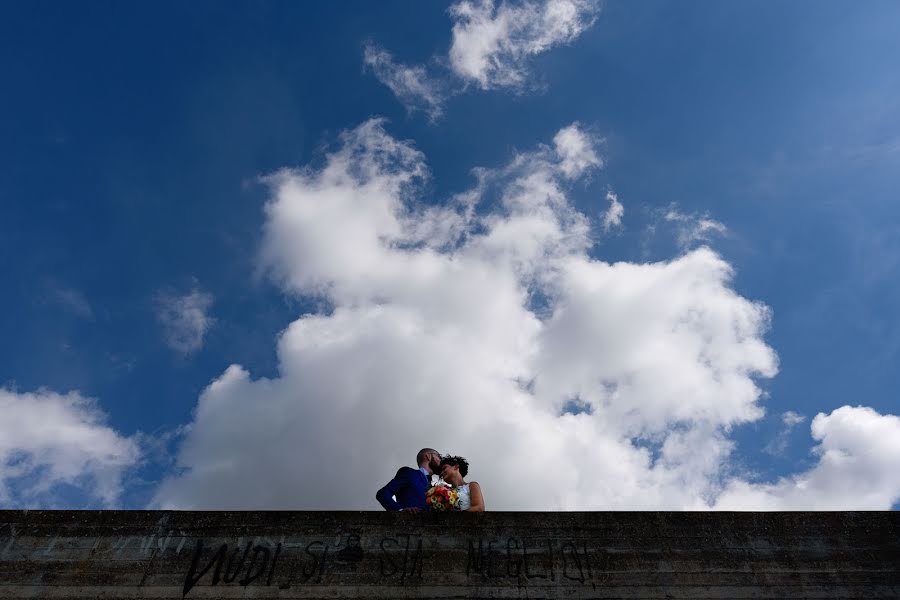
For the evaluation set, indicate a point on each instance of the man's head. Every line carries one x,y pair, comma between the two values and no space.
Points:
429,459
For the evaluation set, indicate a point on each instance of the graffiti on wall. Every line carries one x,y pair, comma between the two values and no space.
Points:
350,557
396,559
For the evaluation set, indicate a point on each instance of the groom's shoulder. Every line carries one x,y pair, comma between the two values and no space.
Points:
405,471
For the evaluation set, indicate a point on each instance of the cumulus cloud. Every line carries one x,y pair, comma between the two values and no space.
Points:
613,215
858,467
412,86
49,439
492,44
490,49
184,319
576,151
474,326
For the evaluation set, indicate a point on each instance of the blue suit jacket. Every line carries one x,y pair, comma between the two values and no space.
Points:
408,486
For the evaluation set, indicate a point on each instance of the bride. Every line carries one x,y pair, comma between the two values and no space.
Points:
453,471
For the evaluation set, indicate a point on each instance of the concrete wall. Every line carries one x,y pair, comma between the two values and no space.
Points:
145,554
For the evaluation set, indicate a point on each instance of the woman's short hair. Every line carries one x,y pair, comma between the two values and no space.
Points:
457,461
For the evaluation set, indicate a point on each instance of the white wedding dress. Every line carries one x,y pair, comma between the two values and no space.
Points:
465,500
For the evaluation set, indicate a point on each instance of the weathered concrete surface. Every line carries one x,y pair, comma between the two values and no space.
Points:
146,554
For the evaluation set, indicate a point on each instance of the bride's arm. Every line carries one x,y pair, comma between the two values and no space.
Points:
476,498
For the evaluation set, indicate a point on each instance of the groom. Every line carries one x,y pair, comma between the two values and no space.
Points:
406,491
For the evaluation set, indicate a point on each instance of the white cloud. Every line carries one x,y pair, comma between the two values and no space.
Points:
858,468
576,151
693,228
48,439
412,85
492,44
778,444
473,327
184,319
790,418
613,215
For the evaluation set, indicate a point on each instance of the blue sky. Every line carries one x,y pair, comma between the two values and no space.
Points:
139,260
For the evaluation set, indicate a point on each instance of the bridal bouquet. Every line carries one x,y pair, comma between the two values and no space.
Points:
442,498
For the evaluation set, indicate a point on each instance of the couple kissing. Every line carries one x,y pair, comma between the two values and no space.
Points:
411,489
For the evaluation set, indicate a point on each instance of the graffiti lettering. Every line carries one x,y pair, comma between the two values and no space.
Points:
193,576
535,561
410,566
230,575
261,559
573,560
530,559
318,565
